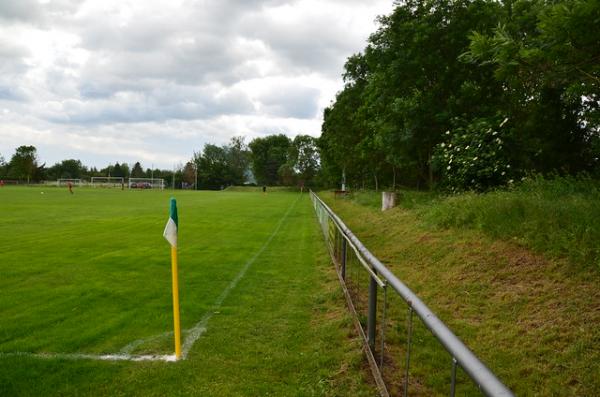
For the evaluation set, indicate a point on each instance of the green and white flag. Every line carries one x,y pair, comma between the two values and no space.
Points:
171,229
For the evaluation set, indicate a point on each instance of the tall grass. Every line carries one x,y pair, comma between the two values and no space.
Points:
559,216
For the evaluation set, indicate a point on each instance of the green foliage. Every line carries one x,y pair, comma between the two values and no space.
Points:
476,156
24,164
67,169
546,59
442,65
188,175
268,154
238,158
219,166
137,171
118,170
304,159
3,166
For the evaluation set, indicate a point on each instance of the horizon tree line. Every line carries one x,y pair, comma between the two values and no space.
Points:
270,160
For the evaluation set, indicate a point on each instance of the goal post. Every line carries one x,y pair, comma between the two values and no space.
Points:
146,183
107,181
66,181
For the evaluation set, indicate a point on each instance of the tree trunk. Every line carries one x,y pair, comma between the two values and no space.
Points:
376,182
430,172
394,178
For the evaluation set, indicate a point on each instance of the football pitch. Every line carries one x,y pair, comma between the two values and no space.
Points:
86,306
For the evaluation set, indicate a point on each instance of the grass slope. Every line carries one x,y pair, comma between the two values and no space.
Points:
90,273
535,321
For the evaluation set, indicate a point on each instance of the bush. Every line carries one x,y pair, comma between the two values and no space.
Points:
474,156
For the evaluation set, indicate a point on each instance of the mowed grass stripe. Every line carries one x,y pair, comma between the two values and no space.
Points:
274,333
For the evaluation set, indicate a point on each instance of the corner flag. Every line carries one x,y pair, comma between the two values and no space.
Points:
170,234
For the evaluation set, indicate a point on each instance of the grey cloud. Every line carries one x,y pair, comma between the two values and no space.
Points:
36,13
9,93
12,68
11,58
291,101
20,10
154,104
316,46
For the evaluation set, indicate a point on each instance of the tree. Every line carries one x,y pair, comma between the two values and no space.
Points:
137,171
125,170
68,169
3,166
342,132
213,167
24,163
287,174
463,66
268,154
304,157
116,170
547,60
189,174
238,160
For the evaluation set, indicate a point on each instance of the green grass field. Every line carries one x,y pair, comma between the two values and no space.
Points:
89,274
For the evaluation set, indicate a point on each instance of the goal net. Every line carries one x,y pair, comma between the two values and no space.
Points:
66,181
146,183
107,181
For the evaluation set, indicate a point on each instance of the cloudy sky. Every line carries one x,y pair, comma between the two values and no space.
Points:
153,81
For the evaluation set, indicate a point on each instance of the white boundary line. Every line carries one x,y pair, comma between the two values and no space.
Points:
193,334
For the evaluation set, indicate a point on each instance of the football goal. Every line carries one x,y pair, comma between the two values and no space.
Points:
66,181
107,181
146,183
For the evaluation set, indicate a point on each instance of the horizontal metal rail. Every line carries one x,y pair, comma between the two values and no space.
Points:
479,373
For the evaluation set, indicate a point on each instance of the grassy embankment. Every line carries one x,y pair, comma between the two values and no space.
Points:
514,273
89,273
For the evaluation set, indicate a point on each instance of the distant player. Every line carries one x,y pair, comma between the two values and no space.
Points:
264,190
70,185
1,183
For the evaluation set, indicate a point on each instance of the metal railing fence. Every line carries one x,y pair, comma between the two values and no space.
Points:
355,263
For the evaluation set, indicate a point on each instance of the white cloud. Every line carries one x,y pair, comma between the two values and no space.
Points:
125,80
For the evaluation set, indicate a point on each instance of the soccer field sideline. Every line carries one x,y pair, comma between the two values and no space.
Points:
193,334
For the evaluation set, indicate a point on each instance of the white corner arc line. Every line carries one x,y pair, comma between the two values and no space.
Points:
193,334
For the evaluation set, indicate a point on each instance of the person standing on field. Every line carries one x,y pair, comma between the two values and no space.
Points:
70,185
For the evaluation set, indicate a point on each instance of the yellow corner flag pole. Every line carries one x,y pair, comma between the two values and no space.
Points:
176,302
171,235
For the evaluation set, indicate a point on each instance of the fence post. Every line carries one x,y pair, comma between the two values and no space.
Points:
372,312
343,259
